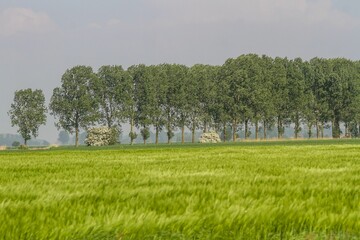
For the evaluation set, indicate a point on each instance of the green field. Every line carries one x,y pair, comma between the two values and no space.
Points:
279,190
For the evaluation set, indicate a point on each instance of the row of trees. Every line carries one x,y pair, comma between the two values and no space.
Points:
250,90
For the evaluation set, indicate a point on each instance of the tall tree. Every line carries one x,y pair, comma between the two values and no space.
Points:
342,87
170,71
157,85
280,94
74,103
194,121
239,75
297,94
144,92
134,99
262,76
233,75
320,72
111,92
182,99
28,112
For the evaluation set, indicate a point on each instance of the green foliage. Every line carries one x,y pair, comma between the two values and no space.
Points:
74,104
170,134
132,136
28,112
145,133
113,92
292,190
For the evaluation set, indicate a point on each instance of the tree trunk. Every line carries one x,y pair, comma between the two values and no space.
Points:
310,130
264,130
25,141
346,129
317,130
297,126
234,127
280,128
246,128
76,137
131,130
169,139
182,134
205,126
336,126
224,132
256,130
157,135
193,133
322,130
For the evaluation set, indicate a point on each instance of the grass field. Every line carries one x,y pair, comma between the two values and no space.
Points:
277,190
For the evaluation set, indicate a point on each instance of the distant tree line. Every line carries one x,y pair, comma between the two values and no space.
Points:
249,90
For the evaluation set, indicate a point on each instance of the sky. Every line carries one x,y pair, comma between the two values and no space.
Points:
40,39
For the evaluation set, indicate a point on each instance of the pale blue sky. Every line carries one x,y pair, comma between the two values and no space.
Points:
40,39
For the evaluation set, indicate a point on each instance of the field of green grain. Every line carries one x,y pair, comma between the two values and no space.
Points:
280,190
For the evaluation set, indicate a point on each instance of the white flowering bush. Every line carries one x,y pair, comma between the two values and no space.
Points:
210,137
101,136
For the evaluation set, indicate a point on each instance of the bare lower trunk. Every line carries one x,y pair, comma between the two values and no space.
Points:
280,128
183,134
297,127
224,132
257,130
193,133
346,130
234,127
205,127
317,130
157,135
246,129
131,131
336,128
76,137
310,130
264,130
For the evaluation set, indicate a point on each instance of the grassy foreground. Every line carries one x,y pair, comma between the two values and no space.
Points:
304,190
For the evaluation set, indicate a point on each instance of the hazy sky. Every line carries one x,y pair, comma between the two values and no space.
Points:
40,39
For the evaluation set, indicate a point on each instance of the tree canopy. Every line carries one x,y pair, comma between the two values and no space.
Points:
28,112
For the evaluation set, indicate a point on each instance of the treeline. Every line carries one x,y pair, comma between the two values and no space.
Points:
250,91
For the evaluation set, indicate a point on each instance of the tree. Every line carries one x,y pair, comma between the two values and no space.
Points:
143,94
145,133
297,93
320,72
274,97
111,92
74,103
63,137
195,74
156,87
238,75
182,97
134,96
28,112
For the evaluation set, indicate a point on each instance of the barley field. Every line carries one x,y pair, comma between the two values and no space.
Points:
276,190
